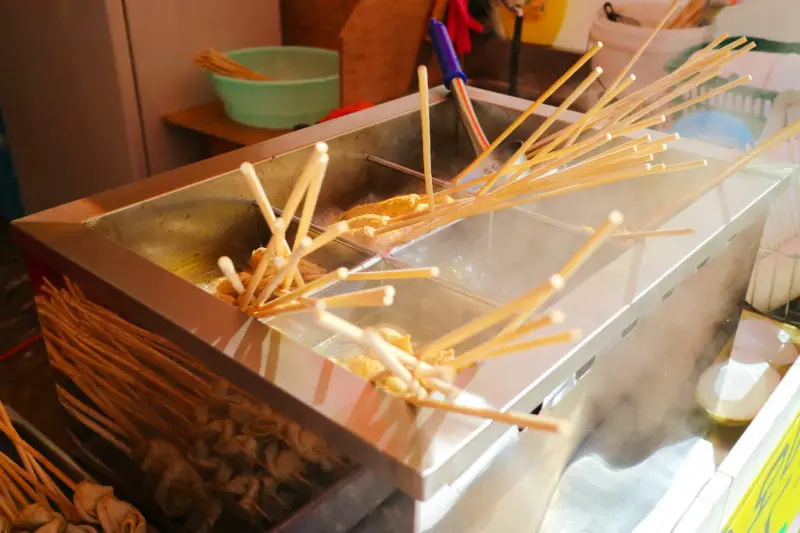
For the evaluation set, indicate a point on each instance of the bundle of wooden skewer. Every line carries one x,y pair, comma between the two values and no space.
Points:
216,62
578,156
417,382
690,16
210,451
33,495
276,285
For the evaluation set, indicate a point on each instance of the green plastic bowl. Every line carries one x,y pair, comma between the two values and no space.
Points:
306,86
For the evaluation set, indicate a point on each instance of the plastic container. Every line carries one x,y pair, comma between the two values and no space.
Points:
751,104
621,41
304,90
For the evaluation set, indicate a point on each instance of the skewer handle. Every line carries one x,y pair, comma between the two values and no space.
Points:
517,419
448,60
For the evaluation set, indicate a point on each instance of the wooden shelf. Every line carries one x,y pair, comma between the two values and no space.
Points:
225,134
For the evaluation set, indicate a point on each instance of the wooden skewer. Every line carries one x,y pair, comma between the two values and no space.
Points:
331,277
407,273
317,176
229,271
480,355
528,112
20,478
309,206
218,63
537,422
284,272
267,259
536,295
377,346
329,235
305,304
406,220
6,420
709,47
710,94
707,61
425,118
554,317
8,508
656,233
765,146
260,195
682,89
542,129
606,99
18,497
644,124
262,200
301,185
39,457
704,59
580,257
624,72
689,165
377,297
356,334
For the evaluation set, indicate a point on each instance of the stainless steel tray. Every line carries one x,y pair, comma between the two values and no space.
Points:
97,241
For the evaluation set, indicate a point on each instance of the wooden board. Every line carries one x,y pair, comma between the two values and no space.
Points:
314,22
379,47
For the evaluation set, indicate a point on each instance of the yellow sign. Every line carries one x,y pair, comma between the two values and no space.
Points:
772,504
542,20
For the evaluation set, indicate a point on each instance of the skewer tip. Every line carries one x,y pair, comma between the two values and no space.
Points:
648,138
247,168
305,244
705,162
321,147
224,263
557,317
341,227
557,282
575,335
615,217
609,137
325,157
388,295
633,78
599,44
435,272
342,273
598,70
677,136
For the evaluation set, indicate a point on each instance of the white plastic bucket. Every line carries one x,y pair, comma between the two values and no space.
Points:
621,41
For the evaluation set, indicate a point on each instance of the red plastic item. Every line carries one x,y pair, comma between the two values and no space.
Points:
459,24
21,346
342,111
